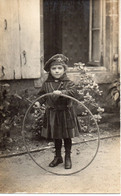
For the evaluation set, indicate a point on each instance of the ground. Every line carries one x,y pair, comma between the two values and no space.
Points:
20,174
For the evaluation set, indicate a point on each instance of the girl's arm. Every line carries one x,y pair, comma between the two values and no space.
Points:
70,90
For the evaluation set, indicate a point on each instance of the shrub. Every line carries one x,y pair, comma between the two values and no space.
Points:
89,95
12,109
38,114
114,92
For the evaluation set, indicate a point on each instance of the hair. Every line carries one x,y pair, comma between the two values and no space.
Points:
64,65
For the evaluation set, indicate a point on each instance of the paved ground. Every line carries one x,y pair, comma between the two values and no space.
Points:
21,175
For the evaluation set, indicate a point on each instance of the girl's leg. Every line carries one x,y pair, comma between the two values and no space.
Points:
67,145
58,158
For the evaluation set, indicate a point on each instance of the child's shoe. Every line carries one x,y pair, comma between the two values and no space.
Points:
68,163
56,161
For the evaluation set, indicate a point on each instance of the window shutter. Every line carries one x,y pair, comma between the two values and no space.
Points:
29,16
20,39
9,40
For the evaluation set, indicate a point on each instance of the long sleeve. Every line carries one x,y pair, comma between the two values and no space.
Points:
70,89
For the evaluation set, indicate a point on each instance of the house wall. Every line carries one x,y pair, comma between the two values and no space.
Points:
101,76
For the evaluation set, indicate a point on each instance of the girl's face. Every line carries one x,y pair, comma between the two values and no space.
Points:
57,71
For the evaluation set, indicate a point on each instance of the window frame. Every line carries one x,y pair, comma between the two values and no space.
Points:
101,35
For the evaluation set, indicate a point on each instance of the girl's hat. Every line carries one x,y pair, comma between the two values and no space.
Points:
58,59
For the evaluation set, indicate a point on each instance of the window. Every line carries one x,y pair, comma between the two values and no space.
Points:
95,33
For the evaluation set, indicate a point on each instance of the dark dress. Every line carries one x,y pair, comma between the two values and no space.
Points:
60,119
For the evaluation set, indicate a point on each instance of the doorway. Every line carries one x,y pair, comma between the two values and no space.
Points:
66,29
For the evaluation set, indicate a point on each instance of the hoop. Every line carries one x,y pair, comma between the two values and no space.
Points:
72,98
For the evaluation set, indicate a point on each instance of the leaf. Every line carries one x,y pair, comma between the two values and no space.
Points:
116,96
6,85
1,107
113,92
113,85
118,88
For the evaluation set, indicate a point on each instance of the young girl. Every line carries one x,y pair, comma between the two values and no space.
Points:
60,121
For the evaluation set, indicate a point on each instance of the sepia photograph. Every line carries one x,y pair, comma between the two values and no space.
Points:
60,96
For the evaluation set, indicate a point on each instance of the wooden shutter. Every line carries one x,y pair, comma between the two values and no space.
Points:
20,39
9,40
29,16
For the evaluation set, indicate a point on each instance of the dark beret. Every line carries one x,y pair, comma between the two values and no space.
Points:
58,59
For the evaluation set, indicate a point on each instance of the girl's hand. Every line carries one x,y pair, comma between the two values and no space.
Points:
57,92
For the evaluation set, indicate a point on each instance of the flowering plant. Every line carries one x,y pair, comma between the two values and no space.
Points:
89,94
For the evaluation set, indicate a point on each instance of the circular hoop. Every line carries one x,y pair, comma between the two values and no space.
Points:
72,98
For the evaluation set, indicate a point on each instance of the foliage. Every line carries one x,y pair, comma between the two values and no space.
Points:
5,119
12,109
38,115
89,94
114,92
